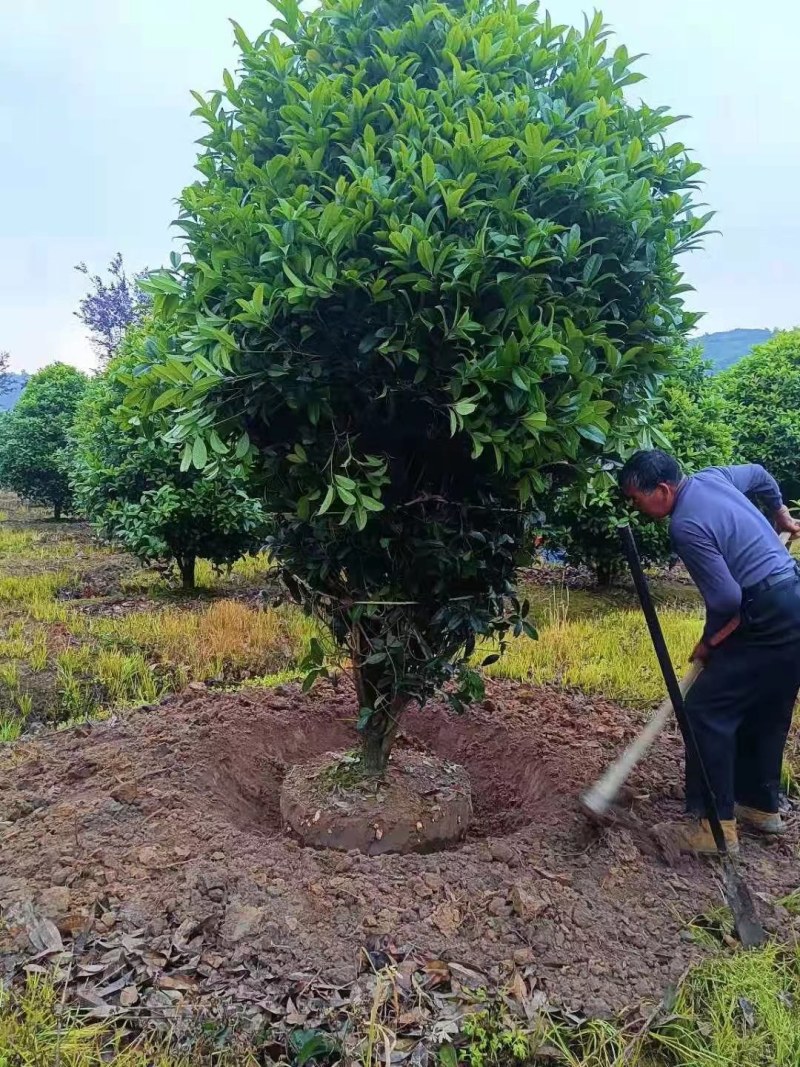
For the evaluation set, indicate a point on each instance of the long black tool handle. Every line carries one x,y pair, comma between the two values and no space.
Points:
671,680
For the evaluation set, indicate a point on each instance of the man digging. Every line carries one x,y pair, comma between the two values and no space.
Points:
741,705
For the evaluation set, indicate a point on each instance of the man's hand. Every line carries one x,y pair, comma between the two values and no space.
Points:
784,523
700,653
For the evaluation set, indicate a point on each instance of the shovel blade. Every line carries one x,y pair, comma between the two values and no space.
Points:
740,900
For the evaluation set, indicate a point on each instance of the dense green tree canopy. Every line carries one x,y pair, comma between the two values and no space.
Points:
431,263
130,483
762,394
34,460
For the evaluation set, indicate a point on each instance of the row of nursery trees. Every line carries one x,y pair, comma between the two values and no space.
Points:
72,445
69,445
428,296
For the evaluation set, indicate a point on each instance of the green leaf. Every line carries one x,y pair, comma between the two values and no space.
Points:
167,398
465,407
242,446
199,453
592,268
426,256
310,678
364,716
371,504
535,421
217,444
428,169
330,496
290,274
241,37
592,433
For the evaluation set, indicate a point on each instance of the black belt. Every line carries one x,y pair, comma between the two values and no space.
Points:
771,582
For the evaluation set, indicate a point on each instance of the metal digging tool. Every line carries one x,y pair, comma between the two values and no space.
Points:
740,901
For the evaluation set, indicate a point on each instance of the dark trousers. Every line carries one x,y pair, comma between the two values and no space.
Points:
741,705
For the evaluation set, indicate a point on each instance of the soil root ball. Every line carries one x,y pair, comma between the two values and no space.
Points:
421,804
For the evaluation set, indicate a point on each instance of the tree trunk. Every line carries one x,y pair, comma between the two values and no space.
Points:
186,567
605,573
380,730
378,737
57,512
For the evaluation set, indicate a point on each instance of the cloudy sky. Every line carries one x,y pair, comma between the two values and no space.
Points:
96,141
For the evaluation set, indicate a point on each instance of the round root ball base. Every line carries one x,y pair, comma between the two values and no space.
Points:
421,804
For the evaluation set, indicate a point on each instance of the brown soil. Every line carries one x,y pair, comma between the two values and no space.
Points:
421,804
167,822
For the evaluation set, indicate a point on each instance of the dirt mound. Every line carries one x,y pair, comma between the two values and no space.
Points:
168,819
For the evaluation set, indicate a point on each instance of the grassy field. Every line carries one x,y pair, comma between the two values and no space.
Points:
85,632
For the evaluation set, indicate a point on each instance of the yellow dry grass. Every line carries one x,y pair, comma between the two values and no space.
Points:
609,654
227,638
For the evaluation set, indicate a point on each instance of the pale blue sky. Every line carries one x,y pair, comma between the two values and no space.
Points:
96,141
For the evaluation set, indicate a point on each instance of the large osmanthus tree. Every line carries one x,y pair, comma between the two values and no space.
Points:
430,266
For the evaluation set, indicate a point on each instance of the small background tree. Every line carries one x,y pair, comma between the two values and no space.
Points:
130,483
762,394
111,307
431,261
34,456
691,421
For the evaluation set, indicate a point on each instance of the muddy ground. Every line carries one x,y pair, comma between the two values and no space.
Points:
164,825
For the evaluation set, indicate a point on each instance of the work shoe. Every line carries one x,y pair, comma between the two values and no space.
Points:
694,836
766,822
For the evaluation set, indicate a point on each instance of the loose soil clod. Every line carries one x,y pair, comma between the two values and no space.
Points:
169,820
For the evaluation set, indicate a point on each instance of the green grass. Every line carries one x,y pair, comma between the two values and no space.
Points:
15,542
37,1030
10,730
63,663
742,1009
33,588
250,570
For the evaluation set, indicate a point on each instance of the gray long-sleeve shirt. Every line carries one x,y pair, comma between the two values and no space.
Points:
726,543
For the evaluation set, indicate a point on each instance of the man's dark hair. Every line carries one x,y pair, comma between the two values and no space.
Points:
646,470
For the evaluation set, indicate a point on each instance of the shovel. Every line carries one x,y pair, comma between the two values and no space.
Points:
738,896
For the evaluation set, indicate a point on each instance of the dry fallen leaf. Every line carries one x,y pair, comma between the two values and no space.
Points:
517,987
44,936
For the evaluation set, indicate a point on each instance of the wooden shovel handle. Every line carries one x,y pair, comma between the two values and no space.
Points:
601,795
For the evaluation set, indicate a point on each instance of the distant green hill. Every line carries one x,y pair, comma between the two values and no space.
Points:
725,349
15,383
